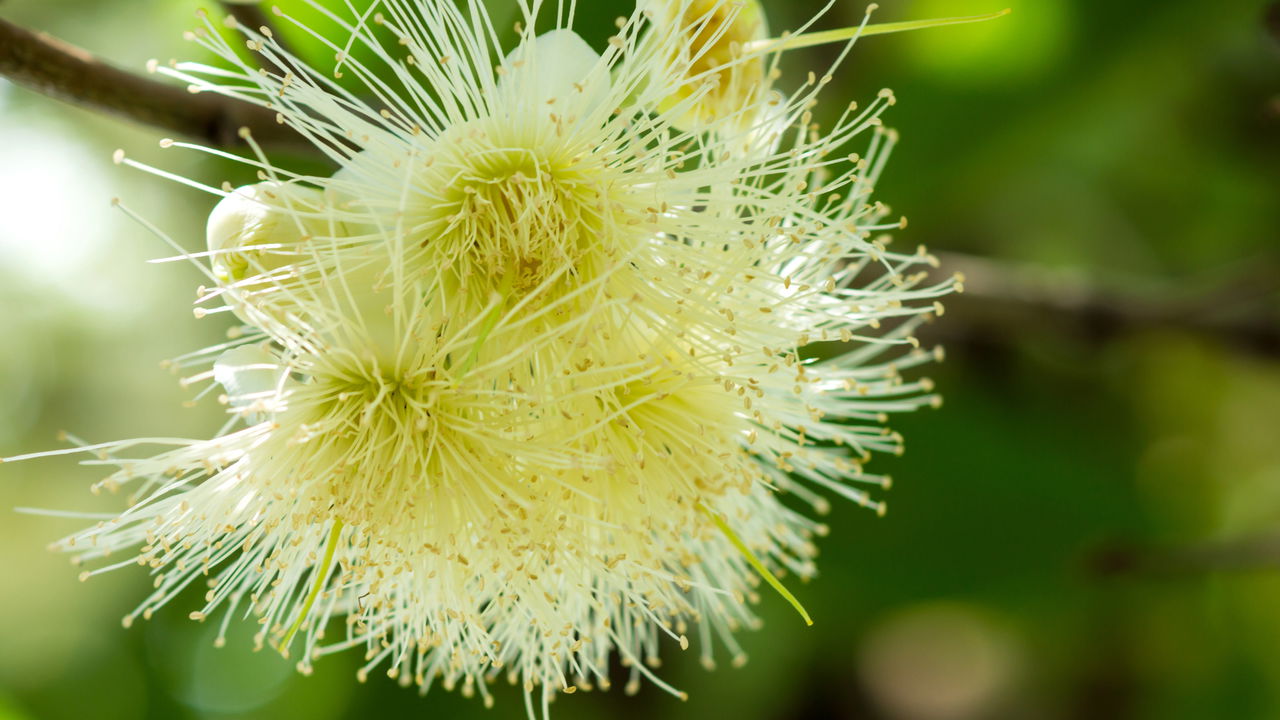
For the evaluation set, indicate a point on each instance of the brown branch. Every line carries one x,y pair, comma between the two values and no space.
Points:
1271,20
1240,555
54,68
1001,300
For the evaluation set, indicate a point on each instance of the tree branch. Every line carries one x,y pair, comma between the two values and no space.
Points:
1001,298
1240,555
54,68
1271,20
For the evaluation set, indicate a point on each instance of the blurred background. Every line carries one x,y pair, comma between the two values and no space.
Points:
1089,528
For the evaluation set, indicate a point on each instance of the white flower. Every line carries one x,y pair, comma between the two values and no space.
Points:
522,383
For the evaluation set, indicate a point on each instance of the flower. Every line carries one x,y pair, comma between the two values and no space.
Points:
521,384
712,50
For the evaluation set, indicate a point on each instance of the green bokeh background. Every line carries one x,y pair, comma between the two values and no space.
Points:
1133,144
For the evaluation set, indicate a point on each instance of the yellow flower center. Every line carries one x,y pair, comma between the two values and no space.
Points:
518,215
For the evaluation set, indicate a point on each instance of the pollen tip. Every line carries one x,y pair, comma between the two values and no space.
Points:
117,157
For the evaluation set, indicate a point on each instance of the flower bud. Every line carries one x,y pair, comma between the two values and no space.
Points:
262,241
257,229
709,39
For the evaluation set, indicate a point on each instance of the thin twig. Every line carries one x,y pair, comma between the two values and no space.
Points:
1271,20
1240,555
52,67
251,15
999,298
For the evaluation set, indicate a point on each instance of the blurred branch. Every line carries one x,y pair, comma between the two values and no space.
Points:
54,68
1001,298
1256,553
250,15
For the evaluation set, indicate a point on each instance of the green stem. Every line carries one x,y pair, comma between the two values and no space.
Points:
754,561
490,321
322,573
860,31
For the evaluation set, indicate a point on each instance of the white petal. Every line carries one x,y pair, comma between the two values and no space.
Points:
558,67
249,374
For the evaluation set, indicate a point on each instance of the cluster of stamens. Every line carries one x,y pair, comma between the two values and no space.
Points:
519,387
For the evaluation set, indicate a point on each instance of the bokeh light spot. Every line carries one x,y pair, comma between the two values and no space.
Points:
1011,50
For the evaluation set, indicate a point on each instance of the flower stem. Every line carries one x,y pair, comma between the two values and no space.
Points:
490,321
322,573
860,31
754,561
